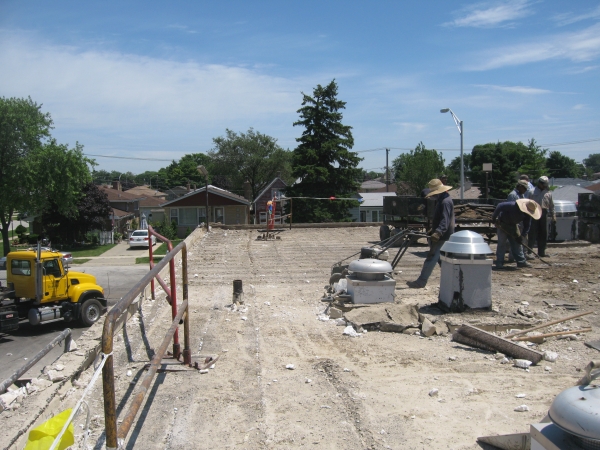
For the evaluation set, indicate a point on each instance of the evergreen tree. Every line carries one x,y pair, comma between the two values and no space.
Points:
323,163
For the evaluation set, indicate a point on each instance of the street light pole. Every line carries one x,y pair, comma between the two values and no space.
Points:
459,125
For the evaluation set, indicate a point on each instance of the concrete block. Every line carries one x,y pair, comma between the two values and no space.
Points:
335,313
427,328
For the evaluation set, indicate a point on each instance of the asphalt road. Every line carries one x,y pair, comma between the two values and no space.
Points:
28,340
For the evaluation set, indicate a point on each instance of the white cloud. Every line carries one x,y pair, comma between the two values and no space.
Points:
580,46
569,18
579,107
411,126
515,89
491,14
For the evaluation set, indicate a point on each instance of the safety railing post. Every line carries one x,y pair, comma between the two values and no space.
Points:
108,386
176,345
150,251
187,353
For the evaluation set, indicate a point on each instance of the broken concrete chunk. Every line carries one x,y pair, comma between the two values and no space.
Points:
522,363
335,313
427,328
550,356
522,408
8,398
349,331
72,346
541,315
55,376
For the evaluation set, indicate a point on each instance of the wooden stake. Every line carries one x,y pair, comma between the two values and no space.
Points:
557,333
554,322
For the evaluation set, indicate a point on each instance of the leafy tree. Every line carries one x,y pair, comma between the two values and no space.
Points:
93,210
23,127
533,160
252,157
592,163
453,170
323,161
184,171
418,167
506,158
561,166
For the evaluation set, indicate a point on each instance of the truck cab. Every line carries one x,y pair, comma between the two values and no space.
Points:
41,289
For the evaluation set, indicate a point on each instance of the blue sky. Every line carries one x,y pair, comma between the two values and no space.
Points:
156,80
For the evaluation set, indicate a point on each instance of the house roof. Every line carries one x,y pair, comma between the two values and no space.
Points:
374,199
471,192
115,195
119,213
211,190
266,189
594,187
570,193
145,191
371,184
151,201
569,182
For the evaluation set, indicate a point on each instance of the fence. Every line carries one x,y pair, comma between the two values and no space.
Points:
114,434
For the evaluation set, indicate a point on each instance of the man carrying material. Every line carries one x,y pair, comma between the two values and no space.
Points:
539,228
507,217
441,229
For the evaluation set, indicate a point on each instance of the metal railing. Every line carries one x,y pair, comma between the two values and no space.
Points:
65,335
114,434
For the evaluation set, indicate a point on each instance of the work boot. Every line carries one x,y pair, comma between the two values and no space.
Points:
415,284
524,264
529,257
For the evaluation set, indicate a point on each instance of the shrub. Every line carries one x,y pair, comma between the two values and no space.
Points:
32,239
21,230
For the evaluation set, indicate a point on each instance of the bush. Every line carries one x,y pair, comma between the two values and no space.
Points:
134,224
32,239
92,238
117,236
21,230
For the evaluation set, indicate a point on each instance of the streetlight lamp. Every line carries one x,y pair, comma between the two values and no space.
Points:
202,170
459,125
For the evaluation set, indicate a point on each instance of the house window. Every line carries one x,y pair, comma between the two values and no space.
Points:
363,216
188,216
375,216
262,217
175,216
202,214
219,215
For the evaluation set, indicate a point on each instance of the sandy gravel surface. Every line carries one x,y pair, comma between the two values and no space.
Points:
370,391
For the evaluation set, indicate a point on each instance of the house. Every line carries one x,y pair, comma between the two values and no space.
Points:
120,221
223,207
370,208
570,193
275,189
568,182
371,186
148,192
122,200
177,192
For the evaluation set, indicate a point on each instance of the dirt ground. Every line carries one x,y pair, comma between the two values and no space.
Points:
370,391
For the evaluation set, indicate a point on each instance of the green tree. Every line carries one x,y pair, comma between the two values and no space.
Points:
561,166
592,164
93,211
253,157
418,167
23,128
506,159
184,171
533,160
453,170
323,161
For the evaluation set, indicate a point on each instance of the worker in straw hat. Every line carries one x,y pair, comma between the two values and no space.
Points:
507,217
521,190
441,229
539,228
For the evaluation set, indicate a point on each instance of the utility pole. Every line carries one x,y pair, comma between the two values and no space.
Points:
387,170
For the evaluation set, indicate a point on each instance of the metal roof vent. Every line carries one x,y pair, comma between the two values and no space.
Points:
577,412
370,269
466,243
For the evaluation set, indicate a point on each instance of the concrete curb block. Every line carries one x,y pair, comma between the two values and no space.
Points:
41,406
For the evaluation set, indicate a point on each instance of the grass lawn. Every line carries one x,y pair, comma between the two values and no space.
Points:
80,261
146,259
157,253
88,250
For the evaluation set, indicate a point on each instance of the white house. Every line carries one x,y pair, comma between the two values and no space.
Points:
371,206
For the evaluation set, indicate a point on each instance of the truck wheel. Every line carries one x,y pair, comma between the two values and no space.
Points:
91,310
384,232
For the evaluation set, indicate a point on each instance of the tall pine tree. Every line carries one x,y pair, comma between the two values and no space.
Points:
323,163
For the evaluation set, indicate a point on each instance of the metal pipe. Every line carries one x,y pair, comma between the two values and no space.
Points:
108,382
187,352
145,385
30,363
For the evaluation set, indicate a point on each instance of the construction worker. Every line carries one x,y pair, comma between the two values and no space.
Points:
441,229
521,190
507,217
539,228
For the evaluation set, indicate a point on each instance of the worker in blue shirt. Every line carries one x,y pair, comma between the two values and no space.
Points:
441,229
507,217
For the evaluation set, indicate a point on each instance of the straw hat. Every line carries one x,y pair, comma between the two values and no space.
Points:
530,207
437,187
523,183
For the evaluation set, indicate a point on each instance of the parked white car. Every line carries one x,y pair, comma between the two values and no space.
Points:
139,238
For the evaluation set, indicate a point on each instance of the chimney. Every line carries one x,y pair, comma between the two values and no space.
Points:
188,186
247,191
116,185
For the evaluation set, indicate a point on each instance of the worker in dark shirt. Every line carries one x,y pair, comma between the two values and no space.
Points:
507,217
441,229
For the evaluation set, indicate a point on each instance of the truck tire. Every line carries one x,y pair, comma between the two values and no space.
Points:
91,310
384,232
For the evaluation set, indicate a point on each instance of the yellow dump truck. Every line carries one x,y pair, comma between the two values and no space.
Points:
41,289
